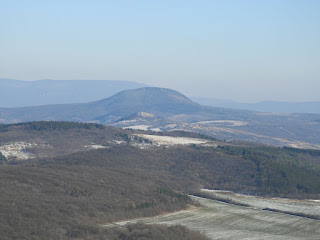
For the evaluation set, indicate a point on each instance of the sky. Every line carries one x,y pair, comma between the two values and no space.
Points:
243,50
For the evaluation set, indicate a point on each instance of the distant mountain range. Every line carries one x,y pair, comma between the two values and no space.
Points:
16,93
166,109
160,101
265,106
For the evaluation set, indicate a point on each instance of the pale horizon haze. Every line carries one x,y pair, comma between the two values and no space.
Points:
243,50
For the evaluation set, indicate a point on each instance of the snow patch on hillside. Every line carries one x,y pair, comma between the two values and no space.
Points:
146,114
225,122
171,141
129,121
156,129
95,146
17,150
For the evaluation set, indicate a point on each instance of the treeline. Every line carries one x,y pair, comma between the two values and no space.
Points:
136,231
51,125
281,171
140,231
312,152
251,170
299,214
220,199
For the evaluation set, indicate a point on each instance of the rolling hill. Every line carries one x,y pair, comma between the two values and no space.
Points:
180,113
75,177
159,101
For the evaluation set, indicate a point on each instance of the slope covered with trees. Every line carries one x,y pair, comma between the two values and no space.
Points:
69,194
55,201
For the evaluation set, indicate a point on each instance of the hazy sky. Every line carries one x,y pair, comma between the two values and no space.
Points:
233,49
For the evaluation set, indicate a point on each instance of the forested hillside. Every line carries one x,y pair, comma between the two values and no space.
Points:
68,190
55,201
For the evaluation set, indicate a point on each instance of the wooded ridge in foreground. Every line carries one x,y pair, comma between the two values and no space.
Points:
68,194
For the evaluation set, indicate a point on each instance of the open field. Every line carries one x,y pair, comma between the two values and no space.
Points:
220,220
311,207
171,141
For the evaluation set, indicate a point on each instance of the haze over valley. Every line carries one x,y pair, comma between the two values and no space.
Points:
43,92
155,120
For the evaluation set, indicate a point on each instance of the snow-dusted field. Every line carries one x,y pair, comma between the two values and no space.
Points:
226,221
311,207
225,122
95,146
171,141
